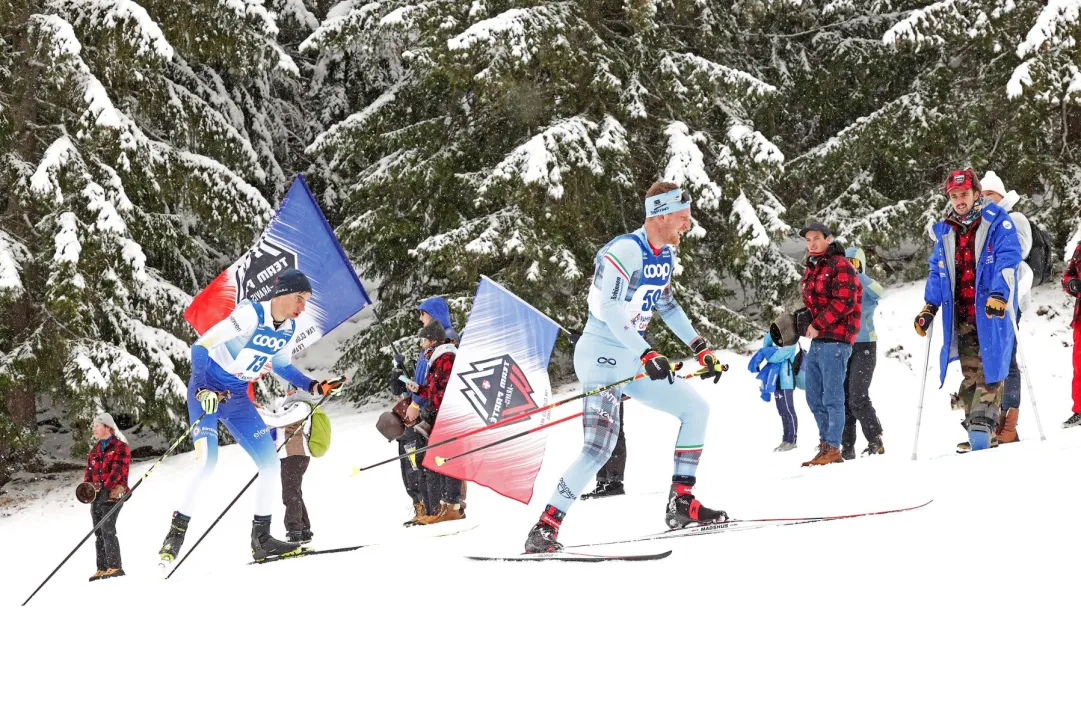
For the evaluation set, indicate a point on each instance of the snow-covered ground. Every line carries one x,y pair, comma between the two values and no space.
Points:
967,609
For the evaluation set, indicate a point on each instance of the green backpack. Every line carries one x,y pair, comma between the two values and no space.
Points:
319,439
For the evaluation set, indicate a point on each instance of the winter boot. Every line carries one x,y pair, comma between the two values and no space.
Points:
418,513
874,447
832,454
170,549
965,446
785,446
604,489
97,576
822,446
542,537
112,573
299,537
264,546
1007,427
848,453
449,512
683,508
1073,421
979,438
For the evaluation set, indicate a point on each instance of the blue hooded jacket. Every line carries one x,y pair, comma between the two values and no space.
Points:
997,250
438,309
773,365
872,291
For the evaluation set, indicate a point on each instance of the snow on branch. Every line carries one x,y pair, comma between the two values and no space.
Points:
149,39
684,64
255,10
12,255
500,232
748,224
543,159
344,19
513,35
852,132
687,165
45,180
335,133
755,145
913,28
1053,26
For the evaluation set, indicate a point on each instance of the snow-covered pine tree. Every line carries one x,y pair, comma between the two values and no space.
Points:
514,138
138,143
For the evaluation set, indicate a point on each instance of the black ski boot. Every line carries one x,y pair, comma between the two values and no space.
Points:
848,453
604,489
684,510
170,549
263,545
542,537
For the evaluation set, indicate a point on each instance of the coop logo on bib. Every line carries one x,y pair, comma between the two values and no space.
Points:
269,341
657,271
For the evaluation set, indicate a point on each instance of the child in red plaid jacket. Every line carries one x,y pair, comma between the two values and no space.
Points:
107,469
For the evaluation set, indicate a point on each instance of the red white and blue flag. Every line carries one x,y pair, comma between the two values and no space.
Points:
298,236
500,371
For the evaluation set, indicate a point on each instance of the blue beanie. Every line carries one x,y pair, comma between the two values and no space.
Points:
290,281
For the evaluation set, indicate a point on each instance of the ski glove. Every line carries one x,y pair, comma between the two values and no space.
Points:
995,307
328,386
658,368
209,400
707,359
1074,287
925,318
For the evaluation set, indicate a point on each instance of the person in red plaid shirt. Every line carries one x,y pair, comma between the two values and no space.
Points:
436,488
832,300
107,470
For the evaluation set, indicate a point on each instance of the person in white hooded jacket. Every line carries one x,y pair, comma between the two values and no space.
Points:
995,189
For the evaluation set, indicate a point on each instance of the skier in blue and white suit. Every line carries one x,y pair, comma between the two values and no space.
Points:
256,338
632,280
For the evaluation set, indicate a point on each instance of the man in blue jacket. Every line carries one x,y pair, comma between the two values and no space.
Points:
973,245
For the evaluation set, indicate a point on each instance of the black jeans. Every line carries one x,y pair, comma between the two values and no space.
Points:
858,407
422,485
296,513
105,540
613,469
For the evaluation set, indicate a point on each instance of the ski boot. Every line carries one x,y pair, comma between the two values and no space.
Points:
263,545
170,549
604,489
542,537
684,509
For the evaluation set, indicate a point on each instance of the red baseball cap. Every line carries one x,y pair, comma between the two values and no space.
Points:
961,180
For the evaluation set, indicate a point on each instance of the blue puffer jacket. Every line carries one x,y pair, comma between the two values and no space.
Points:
774,367
872,291
438,309
997,249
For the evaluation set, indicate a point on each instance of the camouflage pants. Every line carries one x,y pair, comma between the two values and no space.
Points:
982,401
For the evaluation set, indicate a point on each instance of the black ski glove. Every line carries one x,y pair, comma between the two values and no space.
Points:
1074,287
925,318
658,368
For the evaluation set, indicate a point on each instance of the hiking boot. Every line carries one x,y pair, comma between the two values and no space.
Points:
542,537
112,573
822,446
832,454
97,575
848,453
418,513
264,546
1007,427
299,537
874,447
605,489
785,446
178,527
448,512
683,508
1073,421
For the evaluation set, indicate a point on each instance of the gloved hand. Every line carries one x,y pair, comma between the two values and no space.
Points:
574,337
328,386
117,492
925,318
657,366
209,400
995,307
1074,287
397,387
707,359
399,361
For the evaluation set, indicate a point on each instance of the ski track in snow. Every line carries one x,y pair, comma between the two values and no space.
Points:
965,609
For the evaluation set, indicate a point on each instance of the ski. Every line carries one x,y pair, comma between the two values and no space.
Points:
307,553
573,557
744,525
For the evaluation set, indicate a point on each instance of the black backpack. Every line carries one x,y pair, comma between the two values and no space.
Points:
1041,258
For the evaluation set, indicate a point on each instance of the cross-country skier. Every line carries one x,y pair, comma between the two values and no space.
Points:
255,339
631,280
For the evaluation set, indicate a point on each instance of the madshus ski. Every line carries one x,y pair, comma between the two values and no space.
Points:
573,557
308,552
743,525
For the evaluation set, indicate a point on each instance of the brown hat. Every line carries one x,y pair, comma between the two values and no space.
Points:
390,426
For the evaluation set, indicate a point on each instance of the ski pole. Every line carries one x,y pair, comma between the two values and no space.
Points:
1008,275
117,505
439,460
242,490
923,387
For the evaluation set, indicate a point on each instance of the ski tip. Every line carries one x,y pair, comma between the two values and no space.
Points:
440,460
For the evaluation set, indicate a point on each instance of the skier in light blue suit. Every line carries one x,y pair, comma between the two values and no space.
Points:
632,280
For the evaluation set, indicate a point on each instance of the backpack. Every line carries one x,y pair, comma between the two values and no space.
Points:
319,439
1041,258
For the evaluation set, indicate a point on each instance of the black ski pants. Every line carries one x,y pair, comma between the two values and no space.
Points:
105,540
296,513
858,406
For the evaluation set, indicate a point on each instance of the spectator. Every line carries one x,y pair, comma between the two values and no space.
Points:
973,245
995,190
301,431
443,494
861,368
610,476
777,375
107,469
1071,283
832,301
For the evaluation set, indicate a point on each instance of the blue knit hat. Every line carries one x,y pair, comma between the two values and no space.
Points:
289,281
